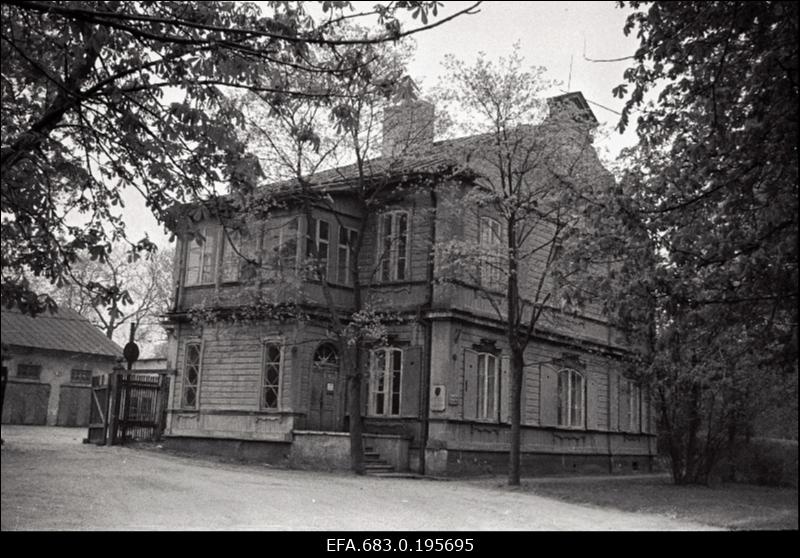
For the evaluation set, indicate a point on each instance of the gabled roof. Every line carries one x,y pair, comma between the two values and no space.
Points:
65,330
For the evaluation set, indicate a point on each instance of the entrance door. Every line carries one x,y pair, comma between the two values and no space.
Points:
326,404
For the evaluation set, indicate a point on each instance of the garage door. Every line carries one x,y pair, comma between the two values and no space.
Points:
73,405
25,403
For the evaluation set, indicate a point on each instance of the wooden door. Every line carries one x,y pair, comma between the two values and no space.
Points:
326,403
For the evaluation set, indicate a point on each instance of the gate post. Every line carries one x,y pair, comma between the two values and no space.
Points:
114,395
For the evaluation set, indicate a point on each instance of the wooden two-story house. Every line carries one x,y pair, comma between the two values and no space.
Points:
271,385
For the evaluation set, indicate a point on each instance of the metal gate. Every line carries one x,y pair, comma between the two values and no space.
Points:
129,406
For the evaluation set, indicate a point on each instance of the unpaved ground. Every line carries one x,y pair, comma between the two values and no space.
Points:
51,481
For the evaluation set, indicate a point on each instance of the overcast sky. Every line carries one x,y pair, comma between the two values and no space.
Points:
551,34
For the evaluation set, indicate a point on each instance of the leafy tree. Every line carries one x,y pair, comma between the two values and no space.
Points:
705,221
531,161
100,97
309,143
123,289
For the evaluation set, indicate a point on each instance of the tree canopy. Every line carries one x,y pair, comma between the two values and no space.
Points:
100,97
705,221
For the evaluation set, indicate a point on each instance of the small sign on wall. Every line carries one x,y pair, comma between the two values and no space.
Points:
329,387
438,397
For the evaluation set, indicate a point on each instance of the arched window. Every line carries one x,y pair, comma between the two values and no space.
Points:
386,379
571,389
326,355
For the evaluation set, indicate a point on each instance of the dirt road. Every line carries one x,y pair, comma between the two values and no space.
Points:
51,481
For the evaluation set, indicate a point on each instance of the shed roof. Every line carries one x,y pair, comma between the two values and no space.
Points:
65,330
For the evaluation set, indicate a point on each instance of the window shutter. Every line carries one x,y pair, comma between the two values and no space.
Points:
505,390
470,399
649,412
412,368
624,405
548,408
613,402
592,410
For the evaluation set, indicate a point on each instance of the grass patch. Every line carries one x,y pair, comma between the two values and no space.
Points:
731,506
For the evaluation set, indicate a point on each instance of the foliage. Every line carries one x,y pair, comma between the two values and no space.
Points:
704,224
100,98
123,289
532,160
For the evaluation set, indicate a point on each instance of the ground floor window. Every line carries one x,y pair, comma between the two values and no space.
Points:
80,376
386,379
634,398
570,398
271,380
487,385
191,376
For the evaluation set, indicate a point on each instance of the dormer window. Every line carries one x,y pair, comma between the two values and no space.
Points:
393,246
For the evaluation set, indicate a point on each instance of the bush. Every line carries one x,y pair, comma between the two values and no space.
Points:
766,461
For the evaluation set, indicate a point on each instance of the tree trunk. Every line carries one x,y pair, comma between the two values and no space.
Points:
354,375
517,364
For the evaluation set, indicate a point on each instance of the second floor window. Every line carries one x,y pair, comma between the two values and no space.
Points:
393,246
287,246
492,248
487,386
344,256
318,241
231,255
201,257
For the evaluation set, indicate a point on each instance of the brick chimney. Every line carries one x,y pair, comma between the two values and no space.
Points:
408,124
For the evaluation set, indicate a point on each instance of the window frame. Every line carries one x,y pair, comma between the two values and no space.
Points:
393,258
634,394
209,232
492,250
388,372
200,346
265,344
284,239
351,237
231,247
314,238
74,380
570,391
29,365
484,412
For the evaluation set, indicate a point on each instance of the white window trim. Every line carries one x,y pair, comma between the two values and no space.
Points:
582,422
489,414
192,341
215,230
492,248
280,342
393,251
387,382
348,250
317,239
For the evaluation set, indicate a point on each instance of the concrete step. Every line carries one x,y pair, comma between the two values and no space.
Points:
385,468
